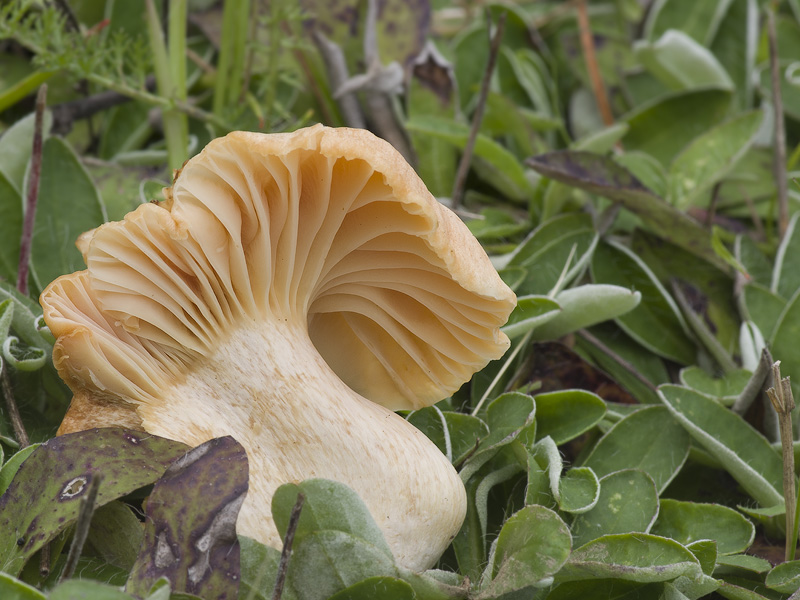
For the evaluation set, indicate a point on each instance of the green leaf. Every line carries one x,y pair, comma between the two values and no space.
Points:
743,451
23,358
259,569
545,466
602,141
566,414
11,466
87,590
764,308
649,440
46,492
687,522
681,63
657,323
545,252
785,577
735,45
531,312
704,550
25,317
314,574
329,505
116,535
738,592
16,145
579,490
633,557
12,588
587,305
646,169
509,416
69,205
495,224
755,262
724,389
190,531
710,157
127,127
696,110
628,502
602,176
431,90
6,317
10,228
533,544
699,20
455,434
743,562
385,588
785,277
608,589
506,172
647,365
709,288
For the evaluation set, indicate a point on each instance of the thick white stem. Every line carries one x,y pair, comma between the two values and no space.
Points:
267,386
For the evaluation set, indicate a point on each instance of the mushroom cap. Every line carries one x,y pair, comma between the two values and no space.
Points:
328,226
286,281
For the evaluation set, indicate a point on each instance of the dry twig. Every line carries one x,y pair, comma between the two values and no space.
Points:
477,117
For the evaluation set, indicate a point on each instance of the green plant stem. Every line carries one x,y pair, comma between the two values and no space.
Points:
166,103
32,196
169,83
274,49
228,86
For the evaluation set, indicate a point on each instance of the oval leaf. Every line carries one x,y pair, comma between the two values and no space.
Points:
628,502
533,544
686,522
329,505
657,323
743,451
566,414
634,557
579,490
587,305
649,440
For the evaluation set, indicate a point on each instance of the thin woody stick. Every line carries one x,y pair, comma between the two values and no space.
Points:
589,54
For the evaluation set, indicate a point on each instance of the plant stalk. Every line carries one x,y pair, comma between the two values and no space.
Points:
477,117
34,176
232,47
81,527
780,395
13,410
590,55
291,529
169,82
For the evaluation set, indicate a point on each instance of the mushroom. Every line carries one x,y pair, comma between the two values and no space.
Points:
292,290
